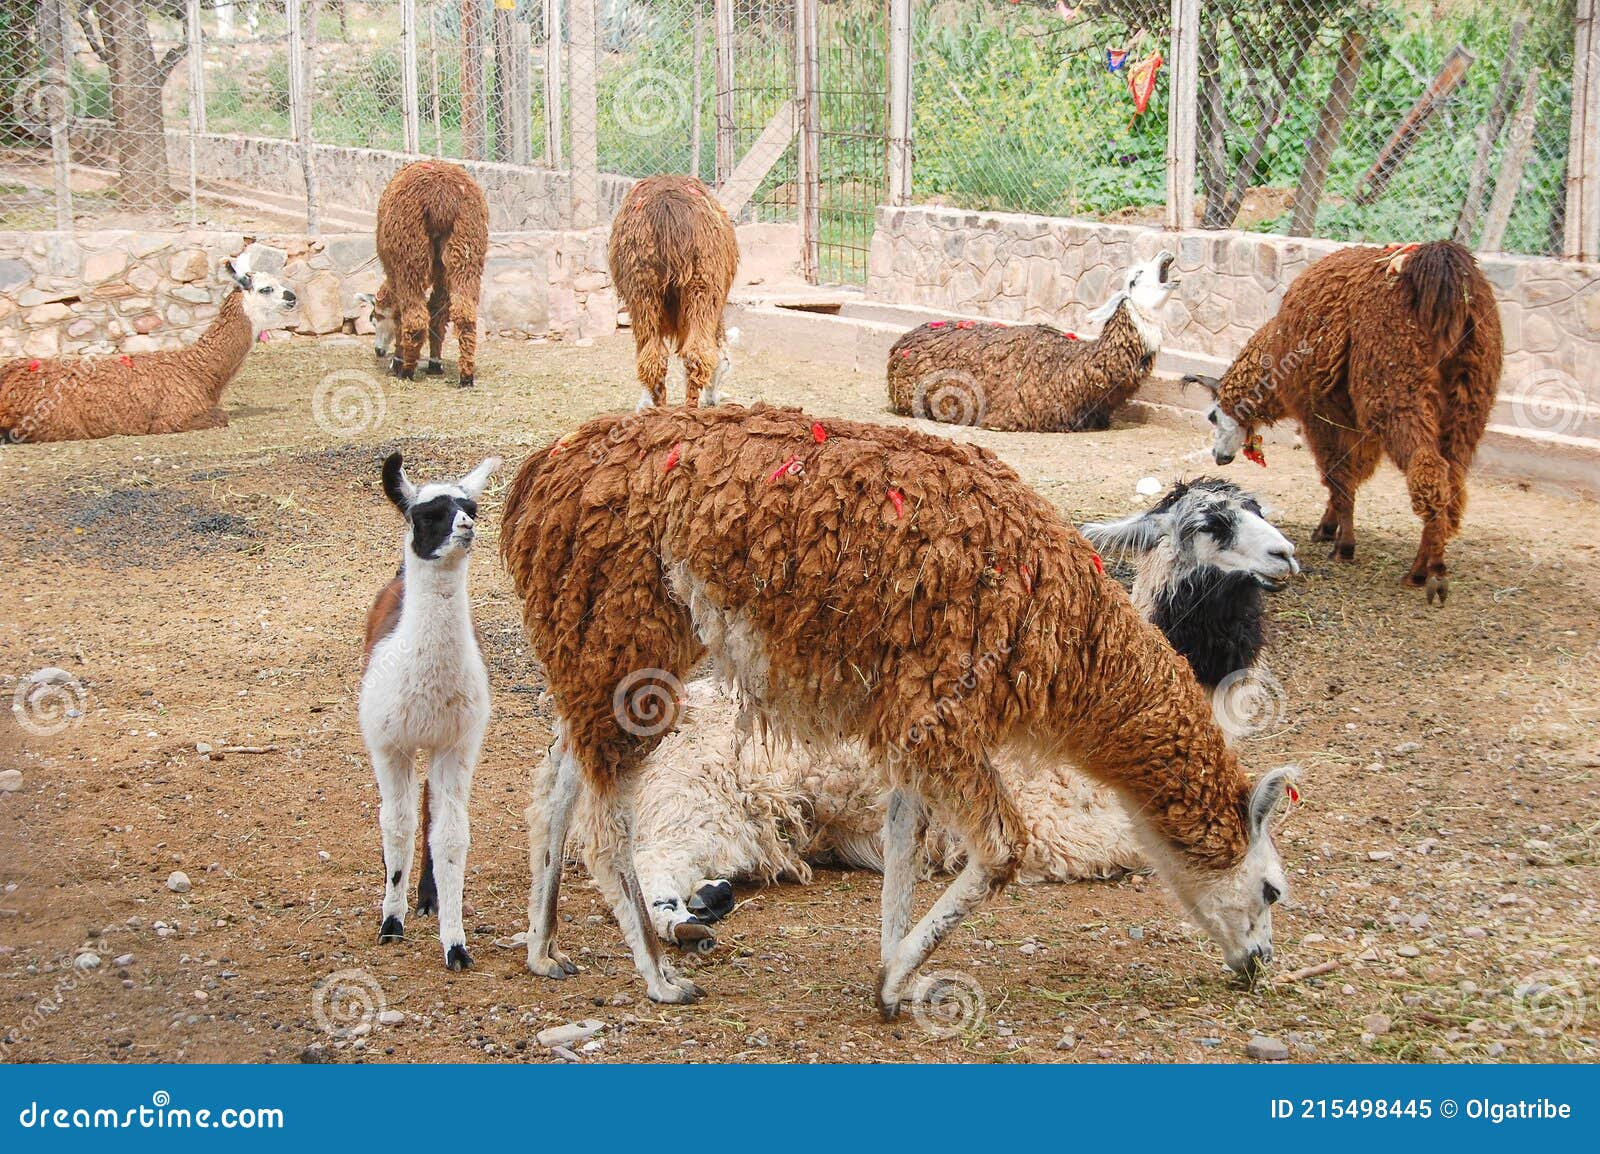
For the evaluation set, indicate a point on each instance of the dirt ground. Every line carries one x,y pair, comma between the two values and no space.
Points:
206,592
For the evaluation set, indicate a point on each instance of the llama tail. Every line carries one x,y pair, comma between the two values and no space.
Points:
1440,276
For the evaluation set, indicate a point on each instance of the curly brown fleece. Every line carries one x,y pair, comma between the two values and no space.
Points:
1026,378
673,253
433,239
1381,350
174,391
906,591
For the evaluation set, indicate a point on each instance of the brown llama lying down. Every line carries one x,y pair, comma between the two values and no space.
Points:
867,583
1033,378
673,253
433,239
1376,350
136,394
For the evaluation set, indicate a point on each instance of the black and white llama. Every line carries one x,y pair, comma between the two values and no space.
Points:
426,690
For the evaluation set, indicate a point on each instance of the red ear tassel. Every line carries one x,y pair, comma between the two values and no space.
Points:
1294,794
898,502
818,433
1099,565
672,458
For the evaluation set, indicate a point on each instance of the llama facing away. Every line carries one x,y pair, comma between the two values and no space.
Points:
713,802
433,240
1394,350
673,253
1034,378
137,394
875,584
425,689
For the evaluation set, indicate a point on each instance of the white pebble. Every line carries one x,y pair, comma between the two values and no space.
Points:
178,882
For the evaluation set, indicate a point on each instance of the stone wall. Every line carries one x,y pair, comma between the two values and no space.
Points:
1053,270
121,291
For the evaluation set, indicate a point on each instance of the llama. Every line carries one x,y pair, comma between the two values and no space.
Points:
1034,378
433,239
1394,350
425,688
673,253
868,583
139,394
713,802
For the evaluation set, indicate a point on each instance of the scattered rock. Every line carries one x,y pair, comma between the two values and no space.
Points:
1148,486
178,882
122,960
10,780
87,961
1406,747
570,1034
1264,1049
391,1017
1377,1024
1409,952
1136,933
563,1053
1379,855
1069,1041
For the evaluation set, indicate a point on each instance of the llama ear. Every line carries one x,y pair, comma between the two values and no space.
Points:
239,270
1108,310
396,484
1211,384
1267,793
367,299
472,484
1130,536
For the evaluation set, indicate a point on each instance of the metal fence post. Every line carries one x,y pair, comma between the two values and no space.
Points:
583,132
55,42
1183,103
197,102
1582,239
695,89
554,121
722,12
900,96
300,108
410,106
807,84
521,92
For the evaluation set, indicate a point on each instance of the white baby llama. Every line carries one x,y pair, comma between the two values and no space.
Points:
714,803
426,690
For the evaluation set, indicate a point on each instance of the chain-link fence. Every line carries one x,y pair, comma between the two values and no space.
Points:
1378,120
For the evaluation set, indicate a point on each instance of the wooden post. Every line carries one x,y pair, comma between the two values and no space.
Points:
55,45
474,109
410,106
1451,74
197,101
583,122
433,75
900,154
1182,112
300,108
521,102
1509,181
554,121
807,182
1488,130
1582,229
695,90
727,144
1314,173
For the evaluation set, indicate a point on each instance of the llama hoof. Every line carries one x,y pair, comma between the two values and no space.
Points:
392,930
888,1005
434,369
1342,553
457,959
1324,533
399,370
467,380
694,937
676,994
1438,586
427,897
712,900
555,968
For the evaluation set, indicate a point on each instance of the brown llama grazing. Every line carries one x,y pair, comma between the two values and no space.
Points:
673,253
868,583
1034,378
433,239
1375,350
137,394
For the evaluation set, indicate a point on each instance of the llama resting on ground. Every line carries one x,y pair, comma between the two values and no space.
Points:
175,391
425,689
1034,378
433,240
714,802
1394,350
871,584
673,253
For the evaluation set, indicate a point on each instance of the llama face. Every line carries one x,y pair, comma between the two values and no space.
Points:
1228,436
385,321
440,518
265,297
1151,282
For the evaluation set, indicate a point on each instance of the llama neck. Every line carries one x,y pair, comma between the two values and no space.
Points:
1213,618
436,615
1131,715
1127,345
222,348
1140,332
